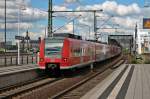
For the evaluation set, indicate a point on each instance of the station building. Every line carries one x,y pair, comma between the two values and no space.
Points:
143,42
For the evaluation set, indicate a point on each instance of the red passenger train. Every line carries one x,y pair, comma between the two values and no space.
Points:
64,53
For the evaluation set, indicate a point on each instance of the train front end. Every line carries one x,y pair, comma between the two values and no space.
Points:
52,54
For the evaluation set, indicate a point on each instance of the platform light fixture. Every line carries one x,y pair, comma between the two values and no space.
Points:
5,32
19,9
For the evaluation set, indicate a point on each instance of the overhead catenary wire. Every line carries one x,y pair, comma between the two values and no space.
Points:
67,23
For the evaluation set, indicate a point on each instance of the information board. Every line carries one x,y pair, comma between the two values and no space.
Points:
146,23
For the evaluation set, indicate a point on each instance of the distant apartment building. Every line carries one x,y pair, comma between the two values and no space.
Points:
143,42
8,44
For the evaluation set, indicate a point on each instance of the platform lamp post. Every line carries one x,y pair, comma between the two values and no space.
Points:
18,35
5,33
135,37
19,8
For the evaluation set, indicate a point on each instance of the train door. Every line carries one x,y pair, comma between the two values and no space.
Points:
91,52
82,55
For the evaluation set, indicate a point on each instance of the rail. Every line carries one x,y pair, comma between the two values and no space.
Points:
80,83
27,87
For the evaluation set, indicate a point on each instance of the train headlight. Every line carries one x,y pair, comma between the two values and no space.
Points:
41,59
65,59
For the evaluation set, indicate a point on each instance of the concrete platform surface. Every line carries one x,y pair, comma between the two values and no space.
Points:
13,75
13,69
129,81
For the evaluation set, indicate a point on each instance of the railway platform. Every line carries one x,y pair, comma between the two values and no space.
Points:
14,69
12,75
129,81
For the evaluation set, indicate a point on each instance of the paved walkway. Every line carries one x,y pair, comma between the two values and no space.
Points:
13,69
126,82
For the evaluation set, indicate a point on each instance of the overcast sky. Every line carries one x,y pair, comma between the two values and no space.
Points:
33,16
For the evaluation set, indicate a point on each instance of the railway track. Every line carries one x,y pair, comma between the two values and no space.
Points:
11,87
60,89
57,87
78,90
14,91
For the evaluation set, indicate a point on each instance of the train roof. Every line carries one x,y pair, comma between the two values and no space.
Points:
62,36
67,35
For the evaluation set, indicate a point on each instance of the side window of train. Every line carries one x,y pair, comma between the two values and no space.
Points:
77,52
72,52
89,51
82,51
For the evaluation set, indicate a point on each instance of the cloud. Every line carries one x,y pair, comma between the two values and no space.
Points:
145,12
119,9
27,15
34,14
60,8
125,16
126,10
22,26
68,28
127,22
71,1
112,7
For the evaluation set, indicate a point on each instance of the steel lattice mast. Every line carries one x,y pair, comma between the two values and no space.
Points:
50,22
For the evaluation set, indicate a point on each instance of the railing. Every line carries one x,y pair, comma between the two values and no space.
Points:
11,60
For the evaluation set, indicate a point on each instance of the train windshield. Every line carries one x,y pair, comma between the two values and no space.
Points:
53,49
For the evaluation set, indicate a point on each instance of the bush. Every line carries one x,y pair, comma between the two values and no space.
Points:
147,62
2,50
134,61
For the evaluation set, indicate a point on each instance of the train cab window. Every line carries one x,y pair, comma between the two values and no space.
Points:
53,49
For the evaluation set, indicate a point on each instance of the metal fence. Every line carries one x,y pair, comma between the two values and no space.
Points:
12,60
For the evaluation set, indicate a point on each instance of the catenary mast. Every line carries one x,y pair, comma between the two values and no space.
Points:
50,31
